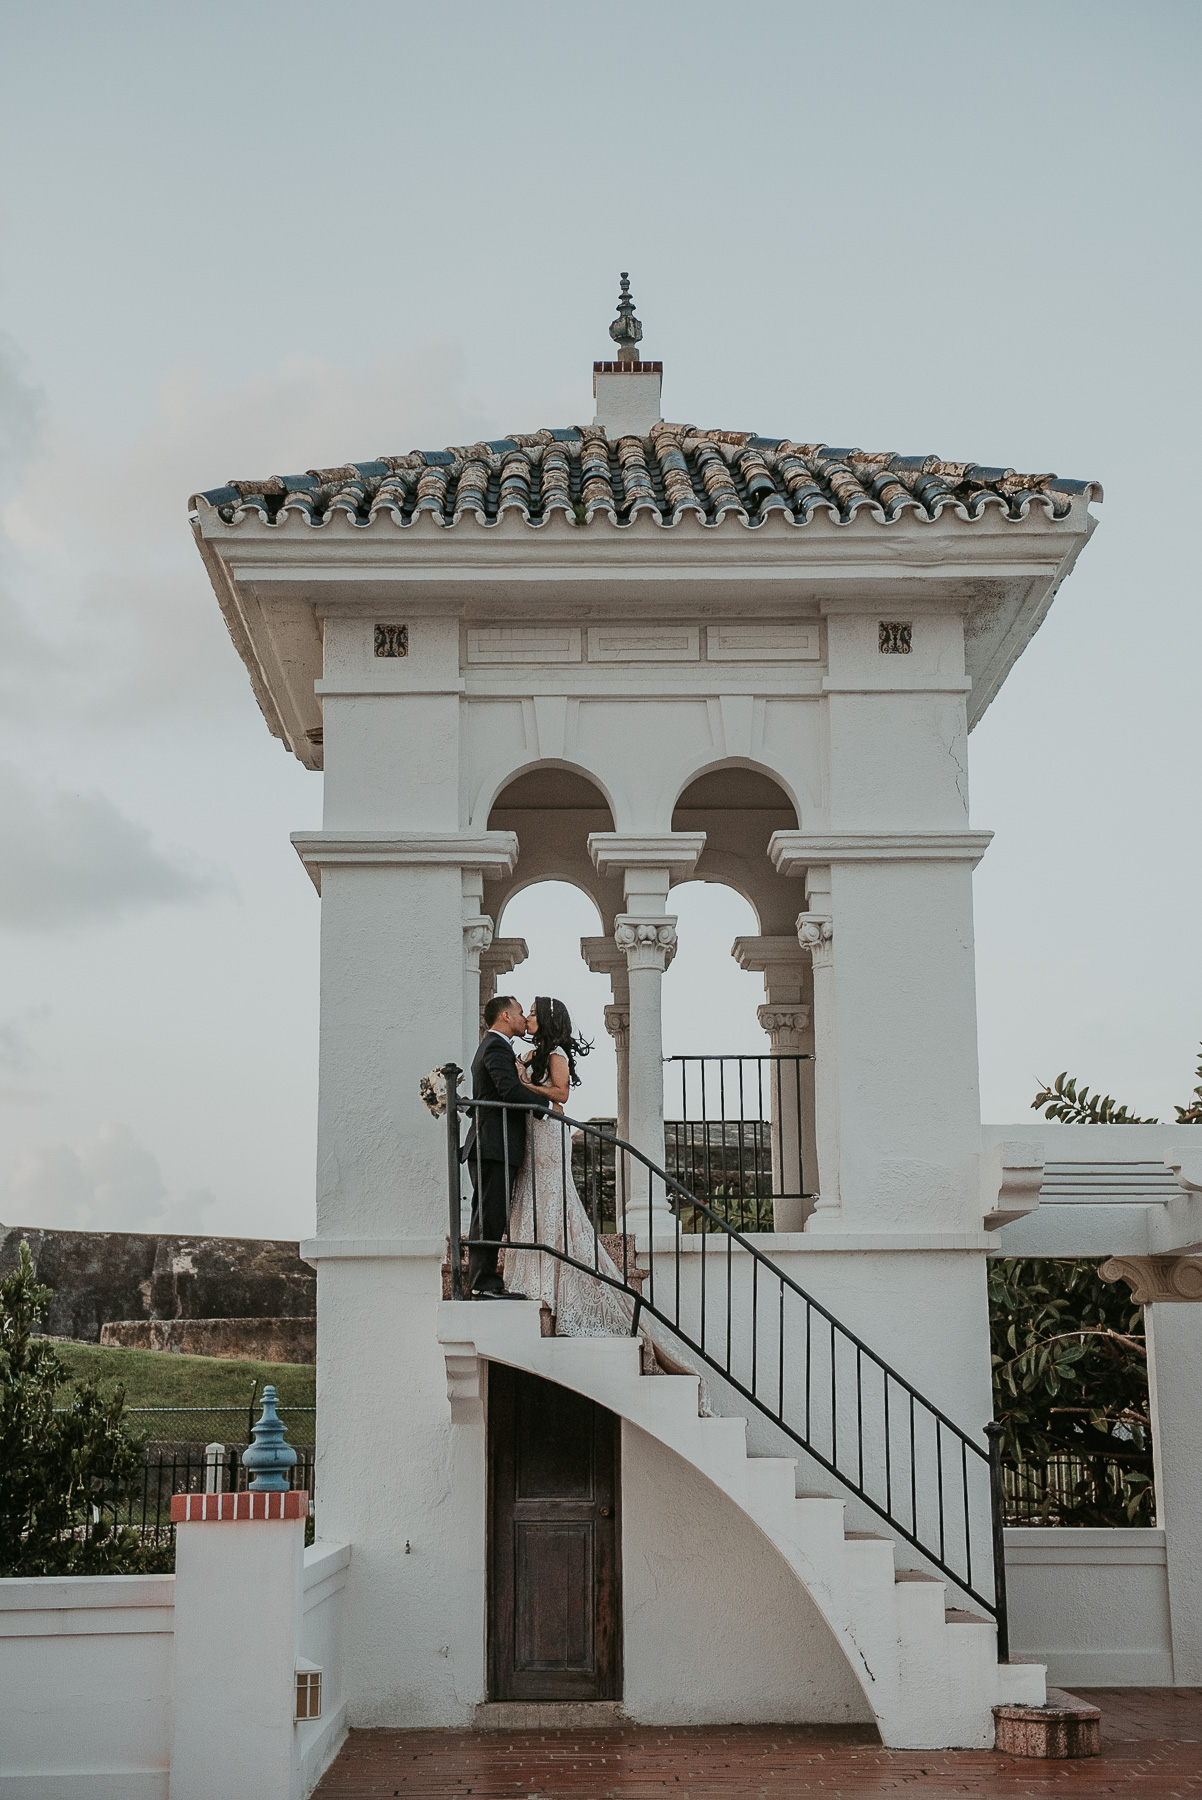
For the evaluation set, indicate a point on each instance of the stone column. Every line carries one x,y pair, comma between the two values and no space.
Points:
787,1018
604,958
617,1023
502,956
649,945
815,935
646,935
1170,1289
477,936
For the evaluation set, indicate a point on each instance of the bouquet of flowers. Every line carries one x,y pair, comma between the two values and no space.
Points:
433,1090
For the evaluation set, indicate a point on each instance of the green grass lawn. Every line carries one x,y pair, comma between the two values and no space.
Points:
156,1378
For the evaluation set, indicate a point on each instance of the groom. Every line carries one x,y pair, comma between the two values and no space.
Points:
496,1144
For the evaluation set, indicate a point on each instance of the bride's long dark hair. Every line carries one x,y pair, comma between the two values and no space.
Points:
554,1033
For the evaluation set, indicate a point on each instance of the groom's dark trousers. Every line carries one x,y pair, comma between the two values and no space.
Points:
494,1152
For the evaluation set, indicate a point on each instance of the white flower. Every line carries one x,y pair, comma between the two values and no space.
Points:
433,1090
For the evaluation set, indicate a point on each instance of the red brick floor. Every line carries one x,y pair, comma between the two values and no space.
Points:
1151,1750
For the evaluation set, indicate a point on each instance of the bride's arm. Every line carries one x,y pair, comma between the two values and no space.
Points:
556,1087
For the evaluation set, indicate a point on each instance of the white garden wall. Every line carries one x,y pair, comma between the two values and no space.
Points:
86,1667
1091,1604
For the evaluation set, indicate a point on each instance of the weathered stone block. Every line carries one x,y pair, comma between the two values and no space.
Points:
1064,1727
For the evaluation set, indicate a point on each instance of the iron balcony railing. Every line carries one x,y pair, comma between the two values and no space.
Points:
779,1348
734,1133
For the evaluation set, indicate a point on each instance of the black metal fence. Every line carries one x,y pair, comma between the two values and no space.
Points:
1086,1490
146,1505
734,1134
673,1259
191,1425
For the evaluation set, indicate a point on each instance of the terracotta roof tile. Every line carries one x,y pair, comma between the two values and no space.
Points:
676,470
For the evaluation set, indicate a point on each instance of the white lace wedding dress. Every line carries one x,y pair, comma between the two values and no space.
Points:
546,1209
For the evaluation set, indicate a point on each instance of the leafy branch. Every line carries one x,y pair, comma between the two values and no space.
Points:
1062,1101
1073,1106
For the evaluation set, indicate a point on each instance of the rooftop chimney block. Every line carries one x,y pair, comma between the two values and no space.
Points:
627,391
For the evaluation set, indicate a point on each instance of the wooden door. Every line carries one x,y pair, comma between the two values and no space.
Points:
554,1593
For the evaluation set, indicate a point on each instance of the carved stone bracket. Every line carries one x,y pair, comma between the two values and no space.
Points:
648,943
815,933
1155,1279
477,936
464,1384
617,1023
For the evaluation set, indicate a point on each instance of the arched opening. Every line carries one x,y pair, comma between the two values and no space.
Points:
551,918
739,809
553,809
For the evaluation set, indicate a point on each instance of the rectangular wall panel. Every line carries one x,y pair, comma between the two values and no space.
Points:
523,643
644,643
767,642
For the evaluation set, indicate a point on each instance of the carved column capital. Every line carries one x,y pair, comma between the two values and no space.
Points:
617,1023
815,933
1155,1279
648,943
477,936
784,1024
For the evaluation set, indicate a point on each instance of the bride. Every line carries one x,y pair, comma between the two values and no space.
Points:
546,1209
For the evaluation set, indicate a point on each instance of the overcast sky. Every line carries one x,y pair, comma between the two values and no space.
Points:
240,239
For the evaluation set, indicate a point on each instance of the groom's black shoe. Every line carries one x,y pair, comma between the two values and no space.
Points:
495,1293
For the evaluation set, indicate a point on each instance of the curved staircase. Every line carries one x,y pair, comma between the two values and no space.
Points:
929,1671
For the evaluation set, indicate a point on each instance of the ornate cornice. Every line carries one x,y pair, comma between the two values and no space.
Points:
649,943
617,1023
676,851
815,933
477,936
783,1021
494,853
1156,1279
793,852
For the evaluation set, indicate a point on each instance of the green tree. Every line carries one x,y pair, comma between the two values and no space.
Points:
1070,1378
57,1463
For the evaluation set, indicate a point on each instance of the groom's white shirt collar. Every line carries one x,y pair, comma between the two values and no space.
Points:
493,1032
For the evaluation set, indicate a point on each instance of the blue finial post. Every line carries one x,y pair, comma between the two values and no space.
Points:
269,1459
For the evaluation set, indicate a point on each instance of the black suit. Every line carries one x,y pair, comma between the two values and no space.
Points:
495,1149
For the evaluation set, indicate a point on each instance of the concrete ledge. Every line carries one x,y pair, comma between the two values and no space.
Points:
544,1715
1065,1727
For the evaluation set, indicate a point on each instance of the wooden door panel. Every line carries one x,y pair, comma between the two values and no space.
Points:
553,1593
554,1601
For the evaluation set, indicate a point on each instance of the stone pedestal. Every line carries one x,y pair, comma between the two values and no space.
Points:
239,1603
1065,1727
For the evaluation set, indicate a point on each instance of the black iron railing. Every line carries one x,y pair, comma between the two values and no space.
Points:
733,1133
934,1484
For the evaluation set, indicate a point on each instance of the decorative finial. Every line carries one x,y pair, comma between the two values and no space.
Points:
269,1458
626,331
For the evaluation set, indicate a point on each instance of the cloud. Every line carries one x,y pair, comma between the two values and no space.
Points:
110,1183
73,859
110,615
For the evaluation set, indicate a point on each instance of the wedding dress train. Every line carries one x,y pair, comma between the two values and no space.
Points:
546,1209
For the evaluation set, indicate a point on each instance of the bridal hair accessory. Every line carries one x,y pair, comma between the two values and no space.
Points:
433,1090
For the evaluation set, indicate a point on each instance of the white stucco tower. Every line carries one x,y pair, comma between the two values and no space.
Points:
627,654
